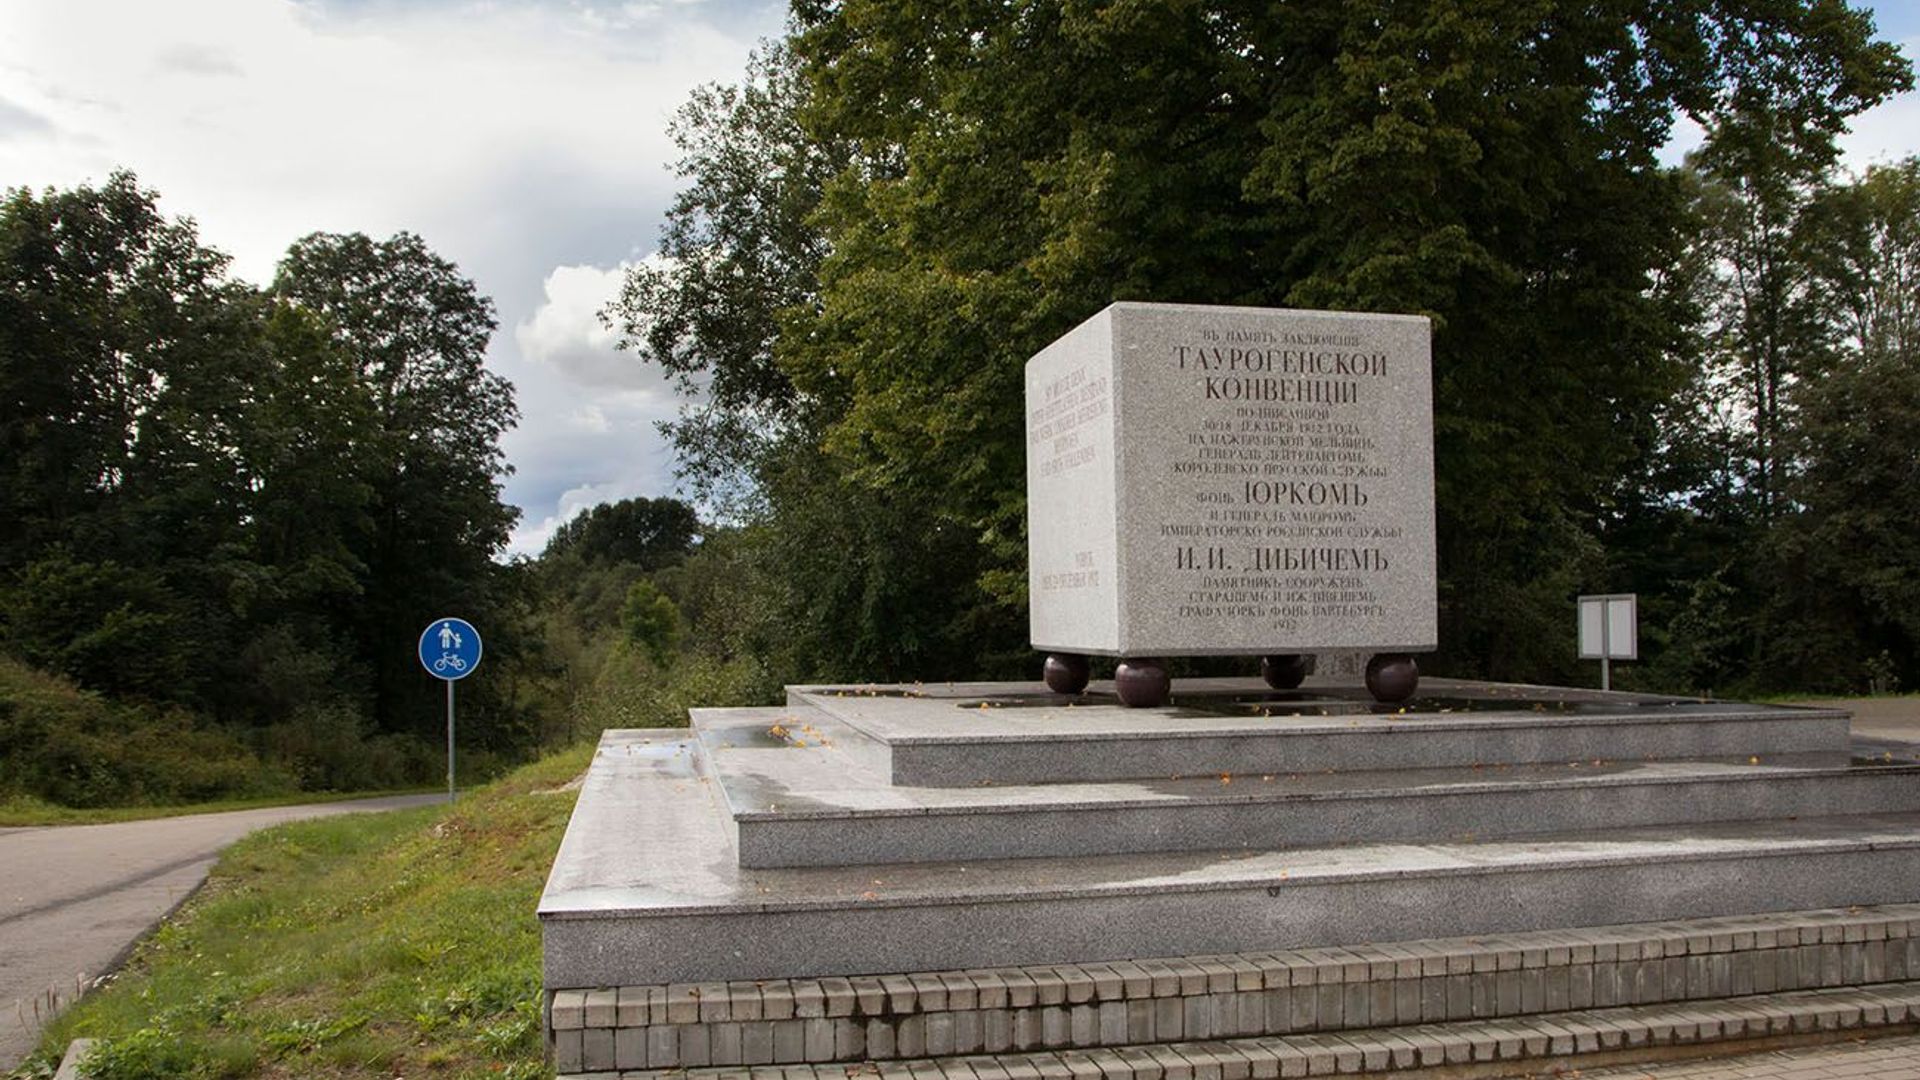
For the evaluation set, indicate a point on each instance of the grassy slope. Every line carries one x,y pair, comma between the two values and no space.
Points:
369,945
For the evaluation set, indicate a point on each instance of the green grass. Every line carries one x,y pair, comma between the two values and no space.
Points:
23,810
369,945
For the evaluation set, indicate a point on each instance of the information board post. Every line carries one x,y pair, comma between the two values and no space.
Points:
450,650
1609,631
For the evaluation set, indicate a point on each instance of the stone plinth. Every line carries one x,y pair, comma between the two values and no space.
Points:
980,840
1011,734
774,843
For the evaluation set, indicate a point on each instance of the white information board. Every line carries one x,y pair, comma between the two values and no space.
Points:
1610,627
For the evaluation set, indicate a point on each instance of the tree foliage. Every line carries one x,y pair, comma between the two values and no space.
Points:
415,332
241,505
973,179
739,250
650,620
649,533
1848,560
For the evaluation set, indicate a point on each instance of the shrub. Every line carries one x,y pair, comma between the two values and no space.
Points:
76,748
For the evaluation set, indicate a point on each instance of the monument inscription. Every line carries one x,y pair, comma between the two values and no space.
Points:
1222,480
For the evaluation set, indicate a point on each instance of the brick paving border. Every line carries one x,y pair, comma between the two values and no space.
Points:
1203,999
1521,1046
1887,1058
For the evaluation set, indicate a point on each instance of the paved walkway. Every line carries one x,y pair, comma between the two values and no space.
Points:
1896,1058
1888,721
74,898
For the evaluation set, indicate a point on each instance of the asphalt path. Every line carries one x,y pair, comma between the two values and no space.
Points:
1883,719
75,898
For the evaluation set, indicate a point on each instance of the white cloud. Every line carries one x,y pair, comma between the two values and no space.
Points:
589,412
570,455
195,59
590,418
15,121
529,539
566,334
399,119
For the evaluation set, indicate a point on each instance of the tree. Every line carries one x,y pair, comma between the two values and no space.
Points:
93,279
1492,166
416,332
1846,566
1866,258
1770,260
1763,172
124,371
995,173
650,621
847,580
739,252
648,533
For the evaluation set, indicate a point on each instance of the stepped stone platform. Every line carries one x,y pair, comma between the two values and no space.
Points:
916,836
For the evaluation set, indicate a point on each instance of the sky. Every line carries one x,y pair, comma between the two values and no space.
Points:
526,141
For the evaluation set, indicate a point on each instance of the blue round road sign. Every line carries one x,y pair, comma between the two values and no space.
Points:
450,649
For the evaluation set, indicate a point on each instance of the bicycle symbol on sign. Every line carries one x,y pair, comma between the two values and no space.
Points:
450,639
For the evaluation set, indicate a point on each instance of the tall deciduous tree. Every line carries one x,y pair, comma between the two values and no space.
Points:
416,332
123,375
739,251
1763,171
1866,258
852,580
1004,170
649,533
1846,566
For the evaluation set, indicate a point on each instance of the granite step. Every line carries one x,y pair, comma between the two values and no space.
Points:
1540,1044
798,798
966,734
648,887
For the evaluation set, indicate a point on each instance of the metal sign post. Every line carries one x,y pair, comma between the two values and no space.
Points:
450,650
1609,631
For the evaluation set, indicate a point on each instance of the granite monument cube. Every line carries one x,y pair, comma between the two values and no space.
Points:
1229,480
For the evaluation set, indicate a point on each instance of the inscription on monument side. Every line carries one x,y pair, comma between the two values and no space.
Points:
1280,521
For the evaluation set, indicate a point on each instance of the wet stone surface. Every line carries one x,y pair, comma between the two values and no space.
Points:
1337,702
